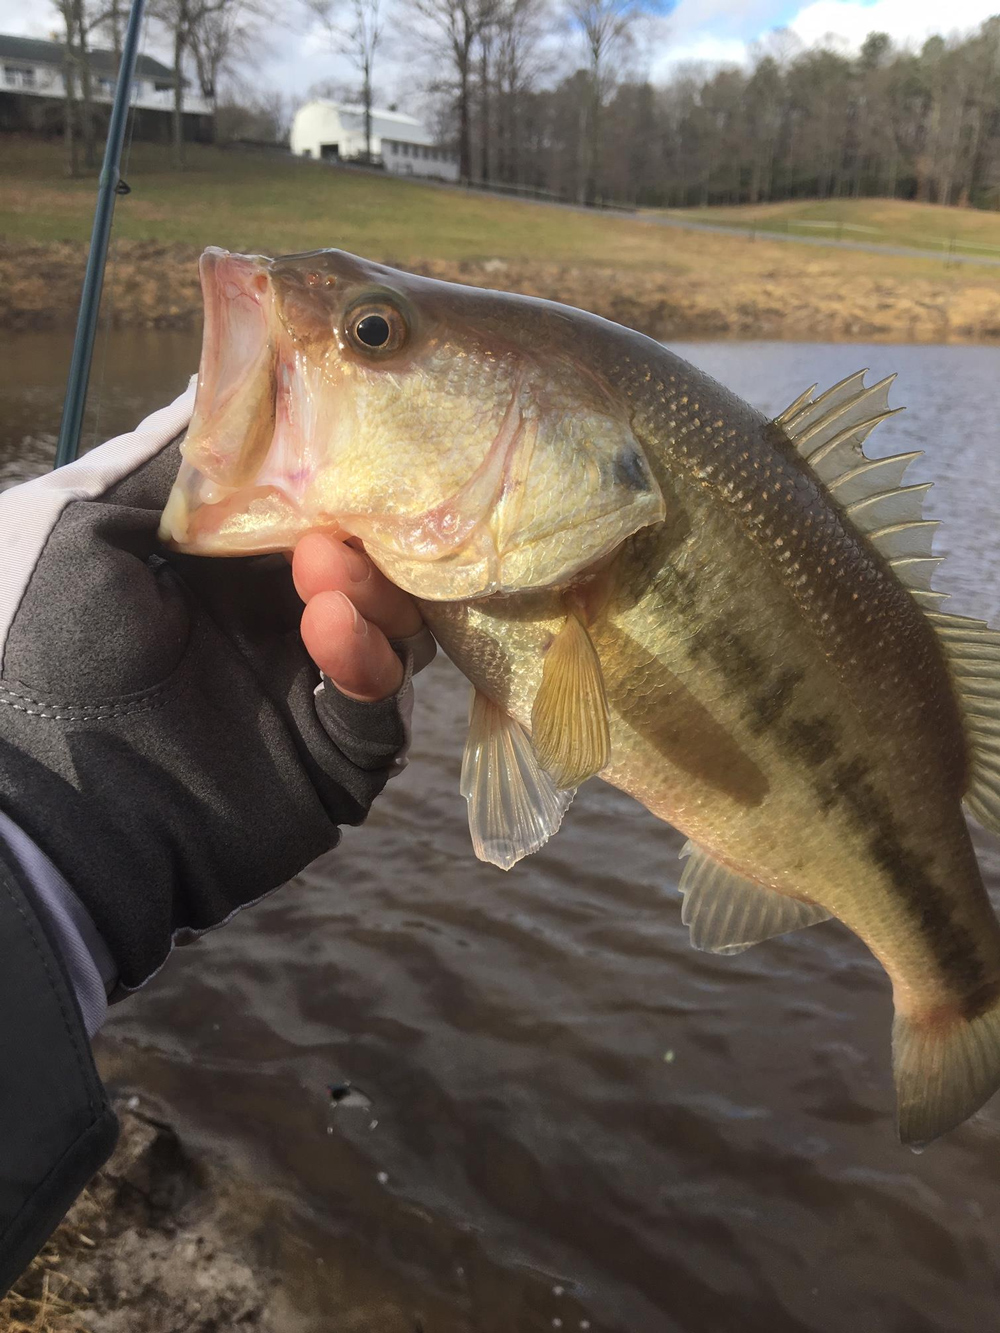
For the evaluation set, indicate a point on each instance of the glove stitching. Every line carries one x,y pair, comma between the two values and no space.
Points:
93,715
71,1032
141,696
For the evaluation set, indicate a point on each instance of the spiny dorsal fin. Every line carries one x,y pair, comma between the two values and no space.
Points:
973,653
727,913
514,806
569,719
829,432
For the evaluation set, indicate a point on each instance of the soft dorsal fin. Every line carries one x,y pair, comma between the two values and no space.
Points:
727,913
514,806
569,719
973,653
829,432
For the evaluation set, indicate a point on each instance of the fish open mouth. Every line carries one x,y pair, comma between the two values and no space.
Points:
221,503
261,433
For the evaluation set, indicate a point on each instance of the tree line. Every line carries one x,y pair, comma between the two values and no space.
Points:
795,122
545,95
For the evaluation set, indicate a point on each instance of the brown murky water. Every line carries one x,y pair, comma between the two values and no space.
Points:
569,1118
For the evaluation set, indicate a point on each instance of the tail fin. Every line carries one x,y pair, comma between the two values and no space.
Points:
945,1069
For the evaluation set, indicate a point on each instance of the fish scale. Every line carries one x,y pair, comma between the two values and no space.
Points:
727,617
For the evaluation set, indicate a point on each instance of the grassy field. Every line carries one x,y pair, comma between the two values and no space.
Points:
667,282
876,221
247,201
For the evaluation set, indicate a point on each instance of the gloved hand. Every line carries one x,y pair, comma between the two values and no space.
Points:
164,736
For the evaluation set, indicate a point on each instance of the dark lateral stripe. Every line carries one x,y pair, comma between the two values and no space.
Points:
674,722
847,784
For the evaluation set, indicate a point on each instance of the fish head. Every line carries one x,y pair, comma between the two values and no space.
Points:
461,434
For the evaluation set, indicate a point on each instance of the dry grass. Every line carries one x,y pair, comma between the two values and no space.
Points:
664,281
46,1299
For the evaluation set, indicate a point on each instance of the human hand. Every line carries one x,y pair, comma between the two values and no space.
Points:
352,612
164,736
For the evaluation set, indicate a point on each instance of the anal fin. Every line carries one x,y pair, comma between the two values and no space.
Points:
569,719
727,913
514,806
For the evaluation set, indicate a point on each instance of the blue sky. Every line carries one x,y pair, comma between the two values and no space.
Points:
293,57
726,29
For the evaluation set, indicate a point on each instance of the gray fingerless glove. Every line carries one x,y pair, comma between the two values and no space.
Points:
164,736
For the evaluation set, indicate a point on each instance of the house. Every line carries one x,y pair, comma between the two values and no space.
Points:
335,132
33,91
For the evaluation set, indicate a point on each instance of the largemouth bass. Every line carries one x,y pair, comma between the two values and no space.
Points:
728,617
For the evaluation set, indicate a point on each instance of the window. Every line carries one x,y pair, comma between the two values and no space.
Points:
19,76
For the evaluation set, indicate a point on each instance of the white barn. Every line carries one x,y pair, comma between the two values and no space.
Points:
335,132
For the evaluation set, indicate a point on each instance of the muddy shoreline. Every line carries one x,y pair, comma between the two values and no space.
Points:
147,1248
819,299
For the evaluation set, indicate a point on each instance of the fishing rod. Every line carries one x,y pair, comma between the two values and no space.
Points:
109,185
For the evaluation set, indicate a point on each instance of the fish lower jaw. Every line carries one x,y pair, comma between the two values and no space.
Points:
246,521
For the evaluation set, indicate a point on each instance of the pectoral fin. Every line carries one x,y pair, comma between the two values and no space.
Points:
514,806
727,913
569,719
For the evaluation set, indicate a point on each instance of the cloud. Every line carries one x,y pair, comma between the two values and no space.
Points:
703,31
904,20
721,20
722,31
28,20
699,49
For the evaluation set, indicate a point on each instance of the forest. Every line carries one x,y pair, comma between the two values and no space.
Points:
552,96
818,123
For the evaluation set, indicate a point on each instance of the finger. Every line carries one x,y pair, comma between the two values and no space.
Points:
322,564
351,651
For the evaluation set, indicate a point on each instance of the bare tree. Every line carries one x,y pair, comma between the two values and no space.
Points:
219,44
112,27
186,21
521,27
80,19
486,81
607,27
355,28
451,28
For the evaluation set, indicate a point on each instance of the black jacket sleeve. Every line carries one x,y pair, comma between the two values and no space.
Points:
56,1126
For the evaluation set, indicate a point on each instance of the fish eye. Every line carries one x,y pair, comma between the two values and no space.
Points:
377,328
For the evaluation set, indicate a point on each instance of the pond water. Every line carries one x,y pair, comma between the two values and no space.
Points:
569,1118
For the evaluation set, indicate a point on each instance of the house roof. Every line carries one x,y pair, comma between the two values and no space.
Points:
39,52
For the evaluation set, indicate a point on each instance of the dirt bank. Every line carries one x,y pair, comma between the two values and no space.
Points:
145,1250
728,288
